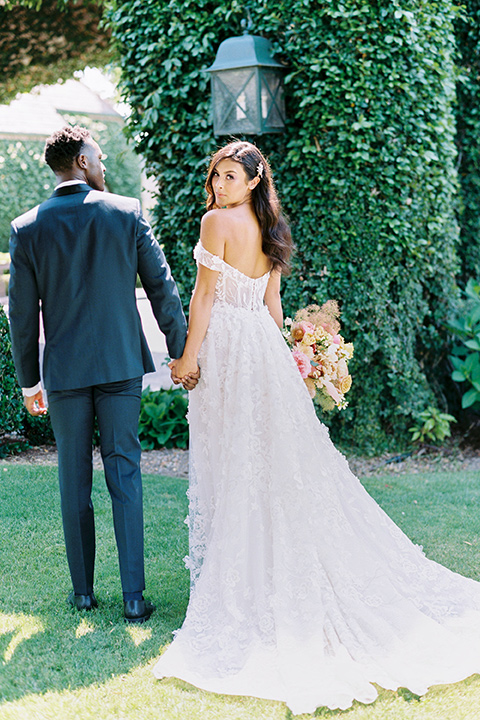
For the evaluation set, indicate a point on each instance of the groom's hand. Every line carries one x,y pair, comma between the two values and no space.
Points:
35,404
190,380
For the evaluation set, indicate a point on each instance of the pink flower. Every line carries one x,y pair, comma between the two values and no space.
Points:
332,391
303,363
337,339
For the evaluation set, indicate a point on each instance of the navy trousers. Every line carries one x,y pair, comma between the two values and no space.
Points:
117,408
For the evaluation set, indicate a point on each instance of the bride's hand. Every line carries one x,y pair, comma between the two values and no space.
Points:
182,368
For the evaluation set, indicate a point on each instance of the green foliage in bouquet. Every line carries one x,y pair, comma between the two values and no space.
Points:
163,420
466,353
365,171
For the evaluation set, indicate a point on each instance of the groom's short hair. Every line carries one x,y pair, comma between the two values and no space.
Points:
63,146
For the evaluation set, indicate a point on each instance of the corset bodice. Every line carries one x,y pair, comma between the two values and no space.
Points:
233,287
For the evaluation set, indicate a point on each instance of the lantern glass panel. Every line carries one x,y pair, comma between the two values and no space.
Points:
273,104
235,101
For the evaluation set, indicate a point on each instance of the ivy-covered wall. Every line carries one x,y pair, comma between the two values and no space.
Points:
468,137
25,179
365,170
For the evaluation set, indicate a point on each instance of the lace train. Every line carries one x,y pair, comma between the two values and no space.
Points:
303,590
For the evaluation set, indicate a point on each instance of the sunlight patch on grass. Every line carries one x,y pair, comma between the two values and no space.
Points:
84,627
138,695
139,634
21,627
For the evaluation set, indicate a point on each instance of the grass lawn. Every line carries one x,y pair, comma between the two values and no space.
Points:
56,663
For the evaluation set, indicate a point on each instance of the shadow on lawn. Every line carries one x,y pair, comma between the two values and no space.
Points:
75,649
45,645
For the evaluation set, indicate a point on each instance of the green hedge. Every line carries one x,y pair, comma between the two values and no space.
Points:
365,171
11,400
18,429
26,180
468,137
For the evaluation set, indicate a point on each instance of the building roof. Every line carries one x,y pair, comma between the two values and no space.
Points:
37,114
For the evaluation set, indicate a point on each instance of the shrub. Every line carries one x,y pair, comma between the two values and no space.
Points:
365,171
11,399
38,430
163,420
18,429
466,353
432,425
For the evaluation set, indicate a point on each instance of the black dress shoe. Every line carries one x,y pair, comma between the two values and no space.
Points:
82,602
137,611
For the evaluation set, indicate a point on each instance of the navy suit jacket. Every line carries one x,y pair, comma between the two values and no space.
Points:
77,255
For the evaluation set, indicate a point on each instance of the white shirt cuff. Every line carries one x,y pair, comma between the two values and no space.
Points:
28,392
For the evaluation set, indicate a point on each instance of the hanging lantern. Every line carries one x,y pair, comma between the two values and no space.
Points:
247,88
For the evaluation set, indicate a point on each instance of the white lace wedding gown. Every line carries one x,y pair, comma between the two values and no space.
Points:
303,590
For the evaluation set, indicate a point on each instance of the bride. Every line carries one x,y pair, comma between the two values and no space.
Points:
302,589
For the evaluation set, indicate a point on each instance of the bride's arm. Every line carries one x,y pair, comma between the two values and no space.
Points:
202,298
200,311
272,298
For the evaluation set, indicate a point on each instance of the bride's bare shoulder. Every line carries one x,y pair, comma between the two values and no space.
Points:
213,231
216,218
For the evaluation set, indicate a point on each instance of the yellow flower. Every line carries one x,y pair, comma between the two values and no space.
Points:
345,384
320,333
309,338
348,350
342,369
310,383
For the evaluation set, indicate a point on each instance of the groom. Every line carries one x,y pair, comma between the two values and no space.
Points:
77,255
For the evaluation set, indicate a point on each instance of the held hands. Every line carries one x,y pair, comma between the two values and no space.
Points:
35,404
185,372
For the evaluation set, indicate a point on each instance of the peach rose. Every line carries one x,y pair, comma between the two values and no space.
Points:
303,363
342,369
306,350
345,384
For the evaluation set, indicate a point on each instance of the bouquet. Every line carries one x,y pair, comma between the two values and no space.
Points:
321,353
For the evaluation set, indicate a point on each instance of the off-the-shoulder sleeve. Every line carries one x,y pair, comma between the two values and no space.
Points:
204,257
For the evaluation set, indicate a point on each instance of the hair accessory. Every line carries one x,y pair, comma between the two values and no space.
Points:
260,169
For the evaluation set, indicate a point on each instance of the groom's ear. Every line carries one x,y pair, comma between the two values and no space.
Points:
82,161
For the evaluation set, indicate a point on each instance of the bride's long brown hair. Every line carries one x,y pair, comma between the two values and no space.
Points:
276,235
